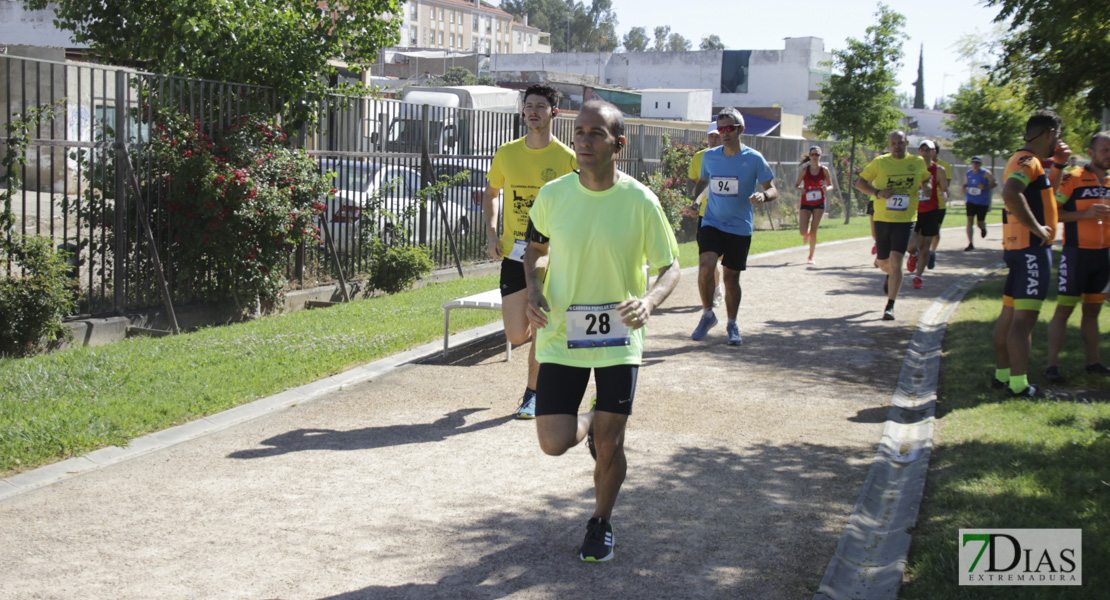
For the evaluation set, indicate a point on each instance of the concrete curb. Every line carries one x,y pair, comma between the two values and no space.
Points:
870,559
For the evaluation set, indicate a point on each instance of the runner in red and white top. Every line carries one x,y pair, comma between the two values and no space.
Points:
815,182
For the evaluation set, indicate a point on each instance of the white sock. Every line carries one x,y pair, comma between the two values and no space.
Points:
706,311
732,321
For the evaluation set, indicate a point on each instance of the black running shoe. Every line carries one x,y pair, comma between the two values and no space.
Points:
1030,391
888,314
598,546
999,385
1098,369
1053,375
982,231
969,248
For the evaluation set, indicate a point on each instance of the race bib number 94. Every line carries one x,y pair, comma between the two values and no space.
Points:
725,186
898,202
596,326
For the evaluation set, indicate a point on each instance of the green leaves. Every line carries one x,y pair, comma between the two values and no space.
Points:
990,118
859,97
282,44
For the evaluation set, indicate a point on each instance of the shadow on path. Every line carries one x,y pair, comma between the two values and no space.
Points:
684,528
368,438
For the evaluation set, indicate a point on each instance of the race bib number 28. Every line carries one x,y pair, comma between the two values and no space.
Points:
596,326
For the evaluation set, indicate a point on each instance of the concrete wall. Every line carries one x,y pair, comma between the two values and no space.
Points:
19,26
788,78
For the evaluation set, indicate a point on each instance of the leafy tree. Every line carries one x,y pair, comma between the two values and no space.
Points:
283,44
574,26
460,76
1059,49
636,40
712,42
661,34
677,43
859,99
990,118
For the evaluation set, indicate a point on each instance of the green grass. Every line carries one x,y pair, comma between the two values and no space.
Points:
1003,463
68,403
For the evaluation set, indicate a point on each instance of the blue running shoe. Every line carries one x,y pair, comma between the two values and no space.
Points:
733,334
932,260
527,408
707,322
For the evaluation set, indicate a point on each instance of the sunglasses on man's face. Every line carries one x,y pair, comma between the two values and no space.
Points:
728,128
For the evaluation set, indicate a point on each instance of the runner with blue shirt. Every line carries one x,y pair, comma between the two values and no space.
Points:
978,183
738,179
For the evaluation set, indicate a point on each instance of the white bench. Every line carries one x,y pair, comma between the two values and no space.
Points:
490,300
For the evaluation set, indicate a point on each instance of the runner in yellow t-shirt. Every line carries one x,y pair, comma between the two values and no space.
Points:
895,179
700,199
599,227
521,168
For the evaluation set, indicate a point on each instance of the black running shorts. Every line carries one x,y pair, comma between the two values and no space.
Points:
732,248
559,388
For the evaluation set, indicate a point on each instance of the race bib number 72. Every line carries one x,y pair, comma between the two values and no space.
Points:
898,202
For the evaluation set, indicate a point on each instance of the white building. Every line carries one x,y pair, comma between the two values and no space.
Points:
681,105
789,78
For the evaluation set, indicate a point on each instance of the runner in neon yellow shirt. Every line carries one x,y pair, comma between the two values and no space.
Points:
522,167
598,227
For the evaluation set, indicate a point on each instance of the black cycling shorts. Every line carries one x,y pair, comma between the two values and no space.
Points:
559,388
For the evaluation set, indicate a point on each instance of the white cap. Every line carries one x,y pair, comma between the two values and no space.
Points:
929,144
712,129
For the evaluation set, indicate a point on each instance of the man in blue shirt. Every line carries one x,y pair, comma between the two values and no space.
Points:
738,179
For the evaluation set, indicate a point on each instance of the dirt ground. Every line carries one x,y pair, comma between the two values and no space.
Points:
744,465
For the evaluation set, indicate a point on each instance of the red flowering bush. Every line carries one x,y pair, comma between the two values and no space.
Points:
669,184
237,205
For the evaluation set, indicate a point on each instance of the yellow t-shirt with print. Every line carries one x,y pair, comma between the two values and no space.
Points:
521,171
694,172
904,177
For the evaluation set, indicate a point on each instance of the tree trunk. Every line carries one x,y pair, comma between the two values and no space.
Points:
850,184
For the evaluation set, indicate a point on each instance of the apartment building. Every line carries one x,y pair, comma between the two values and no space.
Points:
468,26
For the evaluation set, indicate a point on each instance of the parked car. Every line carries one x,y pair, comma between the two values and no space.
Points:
469,193
390,191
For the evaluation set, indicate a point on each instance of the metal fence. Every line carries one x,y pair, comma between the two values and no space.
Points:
384,154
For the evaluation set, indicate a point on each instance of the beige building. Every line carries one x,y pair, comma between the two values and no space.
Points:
468,26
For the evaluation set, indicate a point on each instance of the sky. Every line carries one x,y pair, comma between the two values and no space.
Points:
748,25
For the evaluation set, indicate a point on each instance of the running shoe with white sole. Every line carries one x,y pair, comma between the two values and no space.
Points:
707,322
888,314
598,546
527,408
810,260
1031,391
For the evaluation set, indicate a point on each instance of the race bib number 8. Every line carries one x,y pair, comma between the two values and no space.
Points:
973,191
725,186
898,202
813,196
596,326
517,252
